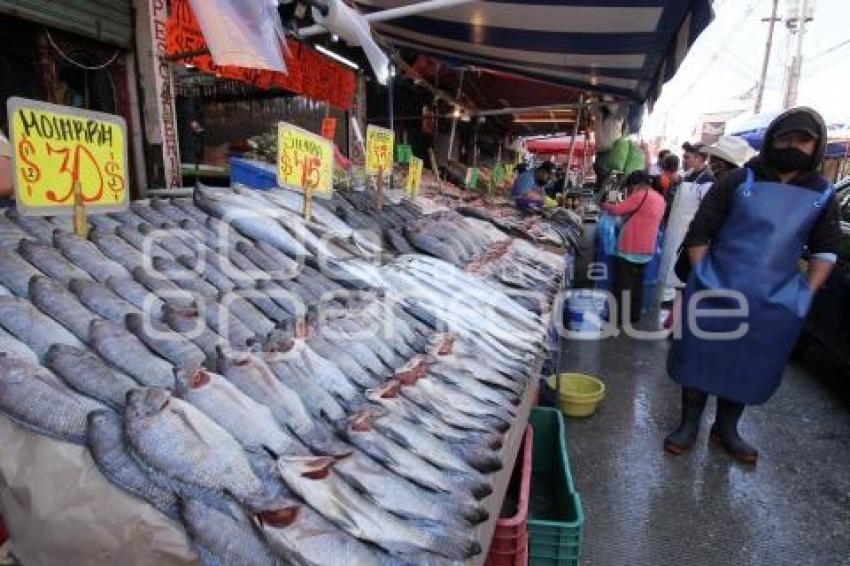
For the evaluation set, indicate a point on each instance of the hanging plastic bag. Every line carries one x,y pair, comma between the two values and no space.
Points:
618,154
348,24
242,33
635,160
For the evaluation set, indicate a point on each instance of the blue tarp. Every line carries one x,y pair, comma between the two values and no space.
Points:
625,47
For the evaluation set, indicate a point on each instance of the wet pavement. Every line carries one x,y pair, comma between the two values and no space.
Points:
643,506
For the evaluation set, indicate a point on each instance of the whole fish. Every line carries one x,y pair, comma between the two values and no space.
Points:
202,268
444,408
346,362
316,483
167,241
10,234
124,351
250,422
87,256
250,222
326,374
87,374
182,277
167,208
319,402
224,537
57,302
12,345
163,288
32,327
105,441
50,262
165,342
514,382
188,322
225,324
37,227
136,294
406,463
288,295
118,250
280,267
16,272
462,400
305,537
467,382
149,213
146,245
187,205
247,313
101,300
180,443
257,381
34,398
103,222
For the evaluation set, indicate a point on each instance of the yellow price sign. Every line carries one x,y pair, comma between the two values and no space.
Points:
414,177
379,149
305,160
54,147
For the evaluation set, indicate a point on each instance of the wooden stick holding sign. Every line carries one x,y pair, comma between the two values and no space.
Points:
305,163
67,161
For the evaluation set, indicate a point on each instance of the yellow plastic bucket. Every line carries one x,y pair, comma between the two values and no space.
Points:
580,393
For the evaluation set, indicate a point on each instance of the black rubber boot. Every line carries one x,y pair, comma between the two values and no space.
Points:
683,438
724,432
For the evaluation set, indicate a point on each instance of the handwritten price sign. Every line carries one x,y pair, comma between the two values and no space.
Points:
305,160
414,177
379,149
54,147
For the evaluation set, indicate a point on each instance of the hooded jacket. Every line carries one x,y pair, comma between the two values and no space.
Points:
825,236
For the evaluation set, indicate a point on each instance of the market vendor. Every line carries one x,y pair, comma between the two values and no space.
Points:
6,182
747,238
531,196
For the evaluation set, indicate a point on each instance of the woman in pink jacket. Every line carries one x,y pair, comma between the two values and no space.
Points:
643,209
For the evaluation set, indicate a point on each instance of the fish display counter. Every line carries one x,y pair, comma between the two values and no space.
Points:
227,377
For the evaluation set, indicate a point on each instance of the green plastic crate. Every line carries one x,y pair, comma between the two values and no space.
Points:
555,515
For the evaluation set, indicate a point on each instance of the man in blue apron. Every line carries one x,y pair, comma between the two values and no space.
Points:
745,244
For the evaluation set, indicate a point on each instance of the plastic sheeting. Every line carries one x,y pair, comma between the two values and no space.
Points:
59,508
242,33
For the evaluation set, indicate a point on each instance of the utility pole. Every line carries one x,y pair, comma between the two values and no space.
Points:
795,68
763,78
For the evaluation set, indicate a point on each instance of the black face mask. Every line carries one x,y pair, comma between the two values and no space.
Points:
789,159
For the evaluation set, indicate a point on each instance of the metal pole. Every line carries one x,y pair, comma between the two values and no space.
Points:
766,62
573,140
390,82
392,13
797,62
454,120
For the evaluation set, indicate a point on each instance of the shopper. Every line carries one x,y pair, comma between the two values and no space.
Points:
695,161
656,168
607,128
727,154
747,237
643,210
669,177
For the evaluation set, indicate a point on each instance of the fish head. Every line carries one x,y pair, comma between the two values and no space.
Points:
361,421
134,321
101,417
146,402
383,393
79,286
187,379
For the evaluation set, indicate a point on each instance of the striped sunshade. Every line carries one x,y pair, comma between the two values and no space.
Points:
623,47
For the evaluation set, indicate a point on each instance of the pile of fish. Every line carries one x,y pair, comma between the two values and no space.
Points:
261,380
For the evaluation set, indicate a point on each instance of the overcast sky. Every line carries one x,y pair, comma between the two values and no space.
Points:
721,70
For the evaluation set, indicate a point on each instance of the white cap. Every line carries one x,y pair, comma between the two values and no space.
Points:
732,149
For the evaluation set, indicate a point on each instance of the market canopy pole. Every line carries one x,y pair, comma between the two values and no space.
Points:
575,133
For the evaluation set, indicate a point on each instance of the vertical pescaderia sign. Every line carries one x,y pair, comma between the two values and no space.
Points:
160,115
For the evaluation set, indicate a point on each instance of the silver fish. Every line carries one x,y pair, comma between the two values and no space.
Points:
145,245
57,302
35,226
101,300
163,288
86,373
444,409
305,537
212,275
50,262
177,441
34,398
468,383
441,389
320,403
280,267
346,362
136,294
150,214
257,381
406,463
182,277
224,323
250,422
10,234
105,441
118,250
87,256
225,537
315,481
162,340
188,322
12,345
30,326
124,351
167,241
188,207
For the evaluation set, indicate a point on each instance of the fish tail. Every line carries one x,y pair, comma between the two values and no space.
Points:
453,546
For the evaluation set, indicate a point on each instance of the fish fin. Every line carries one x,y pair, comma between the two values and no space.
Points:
453,546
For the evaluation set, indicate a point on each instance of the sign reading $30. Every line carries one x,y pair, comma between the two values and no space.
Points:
54,147
305,160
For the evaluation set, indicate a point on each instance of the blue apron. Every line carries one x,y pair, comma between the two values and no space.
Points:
756,253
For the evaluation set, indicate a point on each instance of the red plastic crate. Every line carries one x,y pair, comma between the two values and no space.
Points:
4,535
510,539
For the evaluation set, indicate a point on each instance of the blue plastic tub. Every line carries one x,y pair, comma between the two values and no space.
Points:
253,174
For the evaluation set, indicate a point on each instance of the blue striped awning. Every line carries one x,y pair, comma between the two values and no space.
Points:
624,47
